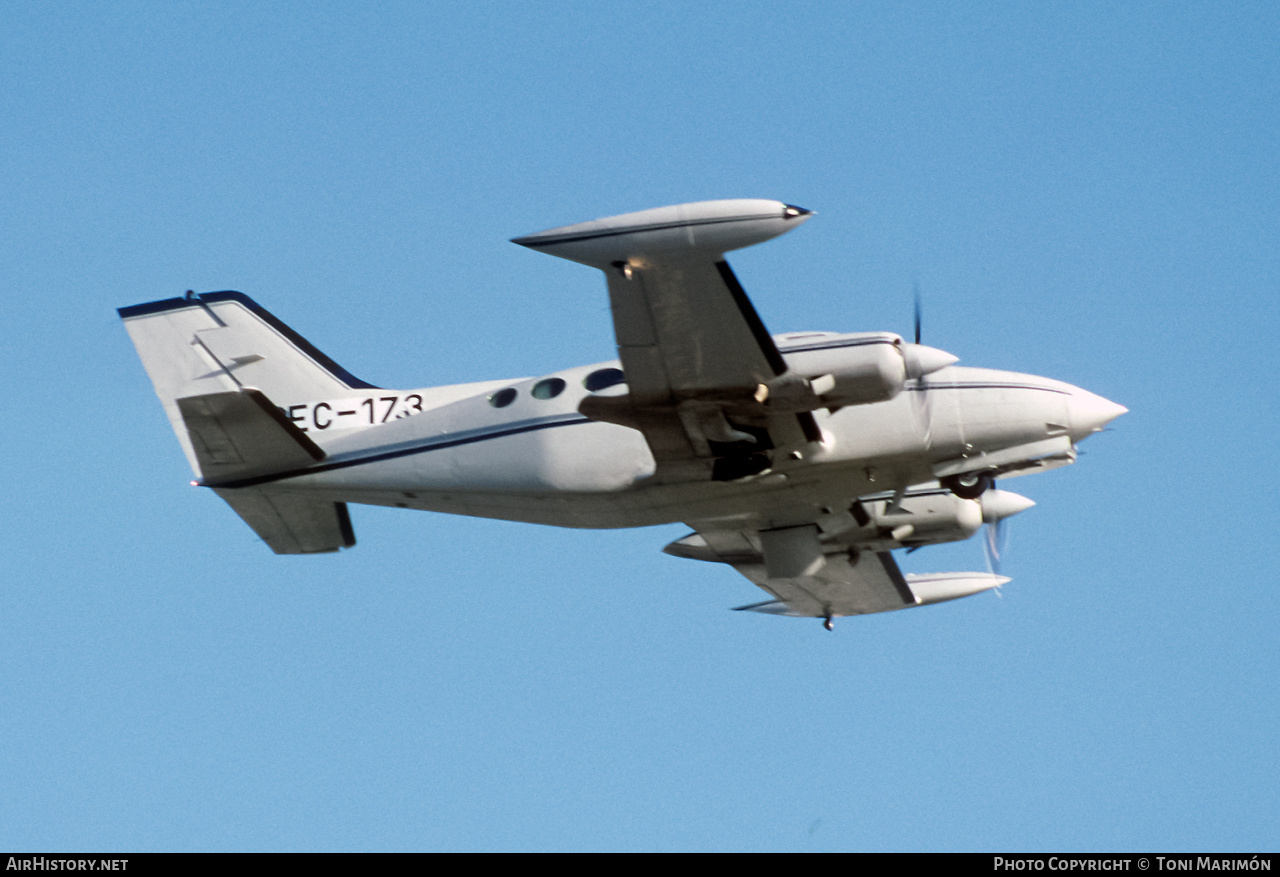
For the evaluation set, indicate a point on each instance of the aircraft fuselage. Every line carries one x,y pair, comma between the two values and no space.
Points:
541,461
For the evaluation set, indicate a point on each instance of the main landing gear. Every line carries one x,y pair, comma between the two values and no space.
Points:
829,623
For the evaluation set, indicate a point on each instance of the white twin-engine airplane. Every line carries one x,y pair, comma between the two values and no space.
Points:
802,460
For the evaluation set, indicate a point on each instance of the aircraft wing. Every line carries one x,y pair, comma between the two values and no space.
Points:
806,583
696,355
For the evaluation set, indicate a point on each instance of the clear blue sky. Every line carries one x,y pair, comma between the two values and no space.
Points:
1087,191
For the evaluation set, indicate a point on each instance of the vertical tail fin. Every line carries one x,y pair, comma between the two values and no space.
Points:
220,363
220,342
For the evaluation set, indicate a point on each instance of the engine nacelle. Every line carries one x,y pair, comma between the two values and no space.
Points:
927,517
831,371
924,516
919,519
872,370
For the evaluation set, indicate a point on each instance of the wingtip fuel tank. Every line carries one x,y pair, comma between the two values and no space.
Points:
704,227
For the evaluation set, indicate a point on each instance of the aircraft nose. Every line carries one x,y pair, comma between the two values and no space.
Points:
1090,413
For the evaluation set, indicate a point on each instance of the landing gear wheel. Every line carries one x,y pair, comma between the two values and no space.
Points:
829,623
969,485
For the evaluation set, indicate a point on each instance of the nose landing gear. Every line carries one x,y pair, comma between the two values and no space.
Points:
968,485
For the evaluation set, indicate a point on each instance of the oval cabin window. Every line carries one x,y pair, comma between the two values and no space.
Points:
603,379
548,388
503,398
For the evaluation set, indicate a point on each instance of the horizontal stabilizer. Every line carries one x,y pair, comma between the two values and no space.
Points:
240,434
293,524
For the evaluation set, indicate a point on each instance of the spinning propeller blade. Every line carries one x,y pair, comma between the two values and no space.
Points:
921,397
997,505
916,289
993,542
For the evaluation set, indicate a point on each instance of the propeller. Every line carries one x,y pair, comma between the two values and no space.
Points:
994,541
921,397
915,288
922,361
997,505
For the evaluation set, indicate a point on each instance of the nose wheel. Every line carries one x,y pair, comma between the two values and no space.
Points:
829,623
968,485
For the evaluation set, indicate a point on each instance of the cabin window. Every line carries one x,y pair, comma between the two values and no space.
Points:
602,379
548,388
503,398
